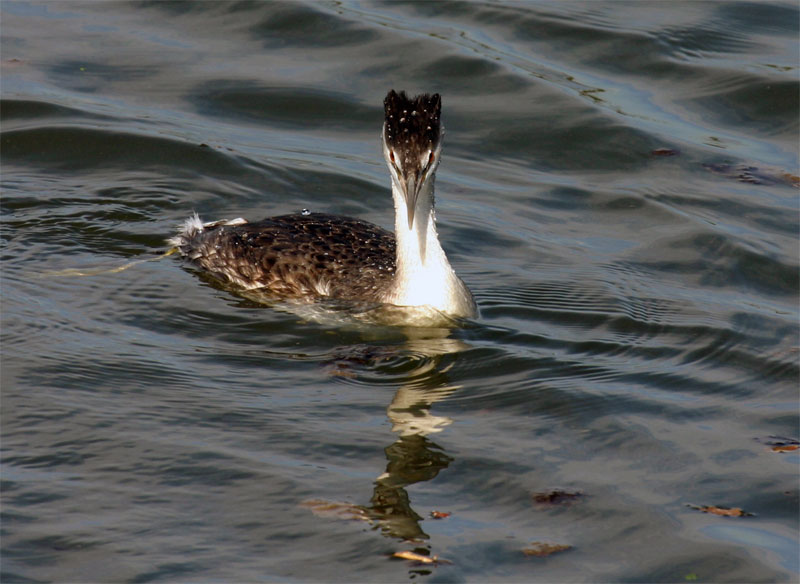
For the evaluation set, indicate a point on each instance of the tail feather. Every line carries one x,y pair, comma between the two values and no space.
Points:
190,229
193,227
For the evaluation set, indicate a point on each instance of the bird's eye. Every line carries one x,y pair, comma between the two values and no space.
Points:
431,158
391,156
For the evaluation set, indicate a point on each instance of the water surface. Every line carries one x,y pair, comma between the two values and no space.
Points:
618,188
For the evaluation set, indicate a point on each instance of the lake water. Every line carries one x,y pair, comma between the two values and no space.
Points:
618,187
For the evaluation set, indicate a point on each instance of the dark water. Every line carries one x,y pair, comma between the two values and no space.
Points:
618,188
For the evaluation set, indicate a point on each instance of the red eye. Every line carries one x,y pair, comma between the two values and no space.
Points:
431,159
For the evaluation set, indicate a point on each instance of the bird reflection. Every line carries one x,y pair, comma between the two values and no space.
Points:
413,457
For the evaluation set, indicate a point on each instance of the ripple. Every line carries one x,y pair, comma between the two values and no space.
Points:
14,111
638,312
289,107
55,147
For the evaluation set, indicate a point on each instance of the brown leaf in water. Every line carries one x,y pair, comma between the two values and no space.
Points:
665,152
334,510
415,557
766,175
785,448
722,511
440,514
792,179
343,372
780,444
556,497
13,62
542,549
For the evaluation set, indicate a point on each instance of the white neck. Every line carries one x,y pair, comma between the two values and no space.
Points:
423,275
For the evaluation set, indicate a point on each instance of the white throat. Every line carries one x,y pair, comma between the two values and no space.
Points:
423,275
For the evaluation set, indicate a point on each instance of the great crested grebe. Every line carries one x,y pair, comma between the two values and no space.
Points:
315,256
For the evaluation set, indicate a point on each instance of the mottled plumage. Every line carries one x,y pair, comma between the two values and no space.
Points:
296,256
310,256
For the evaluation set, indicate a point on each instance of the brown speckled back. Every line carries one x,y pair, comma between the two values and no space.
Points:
299,256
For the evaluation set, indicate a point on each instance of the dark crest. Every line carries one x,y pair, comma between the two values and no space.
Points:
412,125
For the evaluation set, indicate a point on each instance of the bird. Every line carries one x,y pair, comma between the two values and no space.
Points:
311,257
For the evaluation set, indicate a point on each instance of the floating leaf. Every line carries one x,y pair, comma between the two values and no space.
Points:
768,176
785,448
792,179
343,372
334,510
557,497
722,511
780,444
415,557
13,62
665,152
542,549
440,514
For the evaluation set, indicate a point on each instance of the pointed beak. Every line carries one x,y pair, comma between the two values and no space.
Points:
411,192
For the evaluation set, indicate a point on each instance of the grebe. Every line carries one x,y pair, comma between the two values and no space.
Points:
314,256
